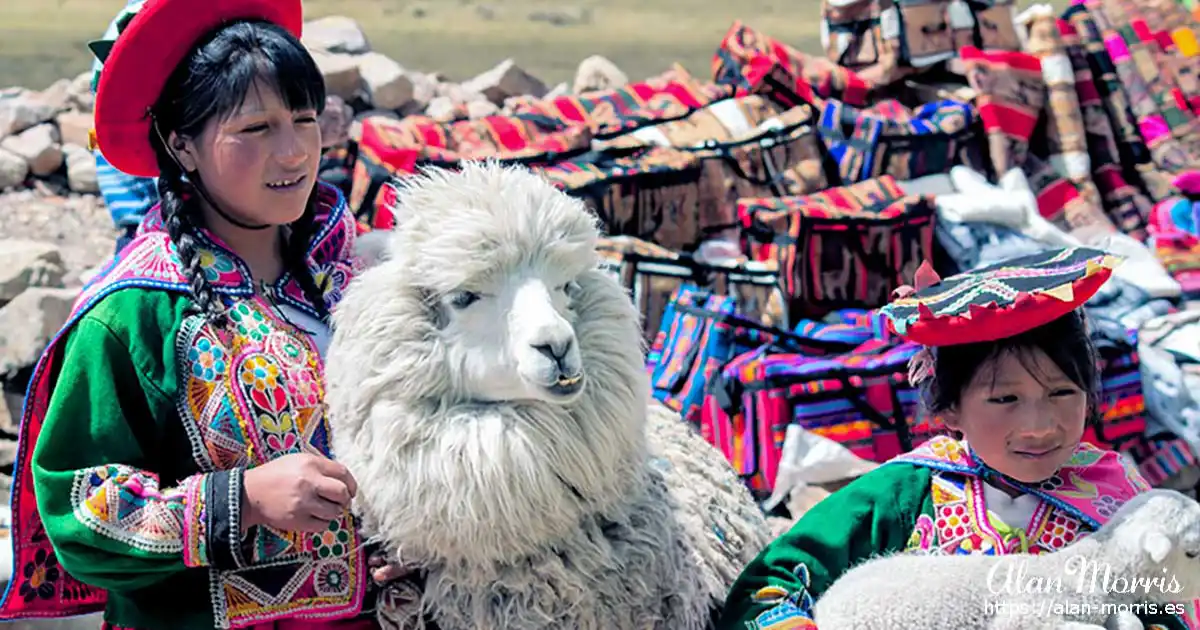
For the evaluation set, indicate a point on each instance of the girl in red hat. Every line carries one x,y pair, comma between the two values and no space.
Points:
1008,365
174,467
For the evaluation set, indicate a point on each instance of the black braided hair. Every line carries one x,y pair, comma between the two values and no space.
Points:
181,217
294,249
208,85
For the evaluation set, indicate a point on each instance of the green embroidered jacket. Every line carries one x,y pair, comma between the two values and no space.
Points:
891,509
116,471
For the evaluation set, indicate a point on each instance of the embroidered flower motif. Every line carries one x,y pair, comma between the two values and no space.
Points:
208,359
1105,506
334,281
249,322
332,542
975,544
276,424
260,373
304,388
947,449
215,265
40,576
332,578
1053,483
1059,532
282,442
952,522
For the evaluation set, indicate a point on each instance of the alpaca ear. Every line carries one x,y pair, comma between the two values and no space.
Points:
1156,546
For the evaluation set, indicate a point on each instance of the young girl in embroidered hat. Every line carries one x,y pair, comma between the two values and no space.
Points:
173,467
1008,365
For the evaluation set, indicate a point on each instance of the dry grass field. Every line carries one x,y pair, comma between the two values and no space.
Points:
44,40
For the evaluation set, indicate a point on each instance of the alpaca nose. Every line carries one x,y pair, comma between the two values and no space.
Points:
555,351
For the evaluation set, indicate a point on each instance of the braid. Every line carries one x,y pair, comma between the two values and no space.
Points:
179,217
294,250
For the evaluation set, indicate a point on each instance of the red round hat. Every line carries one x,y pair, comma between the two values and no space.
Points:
1000,300
147,52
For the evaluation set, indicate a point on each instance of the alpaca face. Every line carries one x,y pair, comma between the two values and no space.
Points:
452,372
514,337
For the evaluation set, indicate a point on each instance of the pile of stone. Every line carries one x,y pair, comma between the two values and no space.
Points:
34,304
371,82
44,136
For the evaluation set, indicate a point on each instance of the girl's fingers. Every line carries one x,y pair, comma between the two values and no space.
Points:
391,572
324,509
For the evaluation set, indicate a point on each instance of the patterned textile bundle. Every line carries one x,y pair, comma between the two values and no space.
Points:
748,149
1011,95
1062,140
1166,129
720,121
1171,29
1132,148
1123,406
886,40
754,63
847,247
701,332
890,140
1161,459
390,147
1127,207
1155,58
653,275
670,96
654,193
1060,201
783,156
853,37
539,132
860,399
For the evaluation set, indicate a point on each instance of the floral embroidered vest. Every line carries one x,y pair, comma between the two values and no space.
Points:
250,393
1076,501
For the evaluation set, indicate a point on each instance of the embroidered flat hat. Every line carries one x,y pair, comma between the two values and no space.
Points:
1000,300
149,47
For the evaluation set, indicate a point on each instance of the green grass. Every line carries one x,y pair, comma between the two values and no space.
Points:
44,40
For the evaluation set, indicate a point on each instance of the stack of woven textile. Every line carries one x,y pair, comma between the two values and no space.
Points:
760,216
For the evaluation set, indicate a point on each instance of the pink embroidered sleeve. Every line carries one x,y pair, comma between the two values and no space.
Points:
126,504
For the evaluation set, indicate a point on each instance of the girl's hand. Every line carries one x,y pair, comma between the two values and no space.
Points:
383,572
298,492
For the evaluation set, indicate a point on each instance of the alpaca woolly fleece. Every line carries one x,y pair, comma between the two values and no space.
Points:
487,389
1153,538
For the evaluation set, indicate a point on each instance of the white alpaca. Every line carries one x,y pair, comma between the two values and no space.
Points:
1147,552
487,388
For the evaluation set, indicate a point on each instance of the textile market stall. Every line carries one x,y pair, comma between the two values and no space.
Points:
760,215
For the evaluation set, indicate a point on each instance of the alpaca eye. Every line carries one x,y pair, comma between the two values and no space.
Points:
463,299
572,289
1192,554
